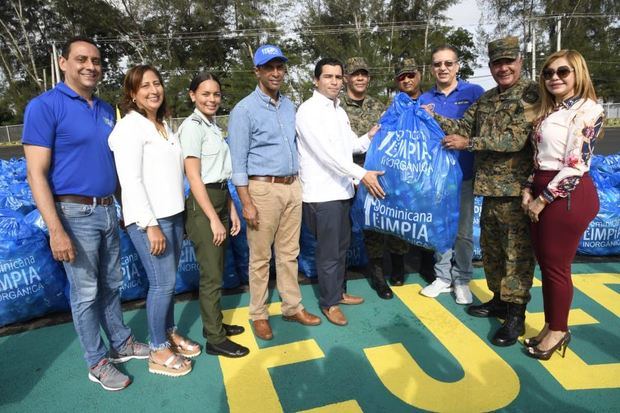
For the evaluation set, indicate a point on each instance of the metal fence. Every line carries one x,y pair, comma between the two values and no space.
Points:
13,133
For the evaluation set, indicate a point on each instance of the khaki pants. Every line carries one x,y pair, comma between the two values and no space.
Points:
279,216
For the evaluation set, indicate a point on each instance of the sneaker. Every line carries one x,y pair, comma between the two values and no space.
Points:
131,350
462,294
108,376
437,287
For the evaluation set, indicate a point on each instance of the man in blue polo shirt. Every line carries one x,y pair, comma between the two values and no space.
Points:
261,132
72,177
451,97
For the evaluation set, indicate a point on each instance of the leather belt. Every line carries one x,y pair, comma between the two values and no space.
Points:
287,180
86,200
218,185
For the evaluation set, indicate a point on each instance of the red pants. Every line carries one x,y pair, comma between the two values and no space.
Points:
555,239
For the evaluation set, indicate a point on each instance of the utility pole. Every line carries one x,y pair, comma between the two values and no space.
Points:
533,54
559,34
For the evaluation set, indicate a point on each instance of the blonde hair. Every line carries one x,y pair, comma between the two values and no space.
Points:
583,83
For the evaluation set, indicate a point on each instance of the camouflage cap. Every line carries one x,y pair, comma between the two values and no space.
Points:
407,65
356,63
506,48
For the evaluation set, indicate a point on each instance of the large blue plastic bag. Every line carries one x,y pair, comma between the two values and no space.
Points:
476,229
188,272
422,180
32,283
238,245
602,237
356,254
135,282
307,248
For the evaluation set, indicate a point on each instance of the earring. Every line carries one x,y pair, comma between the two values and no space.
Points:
133,100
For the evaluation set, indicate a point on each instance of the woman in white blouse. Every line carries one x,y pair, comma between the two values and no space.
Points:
149,164
560,197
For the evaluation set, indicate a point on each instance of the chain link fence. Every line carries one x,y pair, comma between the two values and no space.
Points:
13,133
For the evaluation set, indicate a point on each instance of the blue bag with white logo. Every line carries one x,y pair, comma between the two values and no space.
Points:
422,180
32,283
476,229
602,237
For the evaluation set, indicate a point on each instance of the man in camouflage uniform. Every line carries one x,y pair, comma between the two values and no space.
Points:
364,111
497,128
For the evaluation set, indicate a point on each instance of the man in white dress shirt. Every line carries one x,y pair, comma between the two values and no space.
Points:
326,144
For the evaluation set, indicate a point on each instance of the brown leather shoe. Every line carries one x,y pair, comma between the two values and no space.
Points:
303,317
262,329
351,299
334,315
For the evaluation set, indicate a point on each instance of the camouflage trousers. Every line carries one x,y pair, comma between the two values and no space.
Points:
507,252
376,242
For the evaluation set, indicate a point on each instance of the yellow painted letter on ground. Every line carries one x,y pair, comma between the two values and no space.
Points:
489,383
248,384
572,372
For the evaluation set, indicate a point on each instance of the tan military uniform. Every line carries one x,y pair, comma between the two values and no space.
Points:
362,118
499,125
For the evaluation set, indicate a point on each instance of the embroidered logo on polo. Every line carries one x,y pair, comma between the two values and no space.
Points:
108,121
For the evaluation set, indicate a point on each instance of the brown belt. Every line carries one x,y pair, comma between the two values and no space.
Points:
287,180
86,200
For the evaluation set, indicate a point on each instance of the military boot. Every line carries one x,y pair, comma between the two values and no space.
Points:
374,272
398,269
494,308
513,327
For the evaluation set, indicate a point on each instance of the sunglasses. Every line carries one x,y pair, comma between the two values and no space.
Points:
410,75
562,72
447,63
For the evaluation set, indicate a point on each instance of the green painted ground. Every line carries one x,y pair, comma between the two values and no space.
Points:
42,370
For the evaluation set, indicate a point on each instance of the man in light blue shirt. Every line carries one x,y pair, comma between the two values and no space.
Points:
261,133
451,97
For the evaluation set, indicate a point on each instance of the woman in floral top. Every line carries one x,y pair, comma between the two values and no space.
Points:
559,196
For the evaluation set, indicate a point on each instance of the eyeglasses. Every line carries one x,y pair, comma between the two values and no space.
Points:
447,63
562,71
410,75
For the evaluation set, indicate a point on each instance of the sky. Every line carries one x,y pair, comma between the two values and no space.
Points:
467,15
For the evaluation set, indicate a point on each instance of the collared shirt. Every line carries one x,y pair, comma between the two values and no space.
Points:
261,135
564,142
454,106
77,133
326,145
203,139
150,168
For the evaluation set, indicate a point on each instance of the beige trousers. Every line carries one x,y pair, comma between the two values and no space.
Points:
279,216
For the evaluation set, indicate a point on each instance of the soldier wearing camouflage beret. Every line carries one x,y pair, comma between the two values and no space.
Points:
497,129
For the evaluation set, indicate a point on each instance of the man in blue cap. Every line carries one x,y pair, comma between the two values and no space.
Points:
261,133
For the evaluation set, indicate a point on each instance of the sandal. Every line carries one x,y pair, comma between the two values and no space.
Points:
183,345
174,366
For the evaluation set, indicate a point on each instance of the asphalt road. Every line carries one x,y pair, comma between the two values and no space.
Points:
608,145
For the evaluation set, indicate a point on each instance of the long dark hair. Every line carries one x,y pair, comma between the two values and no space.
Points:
131,85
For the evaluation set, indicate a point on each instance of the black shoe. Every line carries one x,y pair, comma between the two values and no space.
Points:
513,326
374,271
494,308
398,269
231,330
227,348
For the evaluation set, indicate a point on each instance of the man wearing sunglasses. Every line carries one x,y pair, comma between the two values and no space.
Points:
497,129
451,97
407,78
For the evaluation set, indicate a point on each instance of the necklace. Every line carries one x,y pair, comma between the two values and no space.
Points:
162,131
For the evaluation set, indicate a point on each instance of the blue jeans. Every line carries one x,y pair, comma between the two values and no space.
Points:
94,277
161,271
455,266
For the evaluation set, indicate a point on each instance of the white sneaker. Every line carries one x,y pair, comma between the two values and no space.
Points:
437,287
462,294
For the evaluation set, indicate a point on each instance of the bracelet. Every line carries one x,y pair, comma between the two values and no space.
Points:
543,200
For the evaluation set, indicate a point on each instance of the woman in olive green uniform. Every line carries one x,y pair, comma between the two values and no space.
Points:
208,168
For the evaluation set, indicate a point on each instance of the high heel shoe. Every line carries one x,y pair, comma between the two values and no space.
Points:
560,346
531,342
